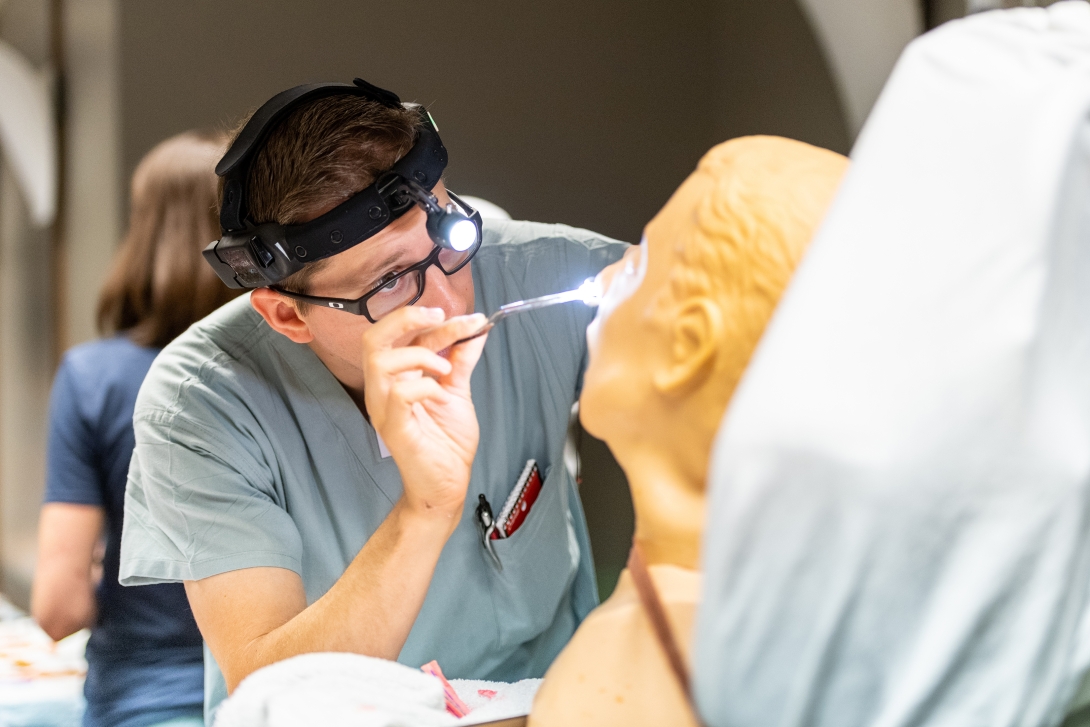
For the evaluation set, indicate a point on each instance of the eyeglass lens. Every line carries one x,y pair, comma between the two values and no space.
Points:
407,289
398,293
451,260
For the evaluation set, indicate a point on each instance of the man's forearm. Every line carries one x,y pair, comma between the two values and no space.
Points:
373,606
369,610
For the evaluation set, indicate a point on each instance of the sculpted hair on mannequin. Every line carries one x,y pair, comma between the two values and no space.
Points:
749,236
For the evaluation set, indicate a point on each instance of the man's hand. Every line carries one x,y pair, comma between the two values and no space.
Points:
419,402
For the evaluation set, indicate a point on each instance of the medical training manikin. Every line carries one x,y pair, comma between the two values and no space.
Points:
681,316
900,494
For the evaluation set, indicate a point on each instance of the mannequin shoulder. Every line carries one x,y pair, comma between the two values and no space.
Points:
613,671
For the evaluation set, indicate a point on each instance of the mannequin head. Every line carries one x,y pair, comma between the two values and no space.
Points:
682,315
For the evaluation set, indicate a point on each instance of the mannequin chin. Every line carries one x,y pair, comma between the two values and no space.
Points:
681,317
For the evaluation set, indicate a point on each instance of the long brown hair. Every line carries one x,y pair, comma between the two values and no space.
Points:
159,284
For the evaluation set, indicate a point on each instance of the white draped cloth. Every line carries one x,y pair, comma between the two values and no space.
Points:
336,690
899,517
351,690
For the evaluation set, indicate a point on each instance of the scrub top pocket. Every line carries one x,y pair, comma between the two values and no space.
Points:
539,562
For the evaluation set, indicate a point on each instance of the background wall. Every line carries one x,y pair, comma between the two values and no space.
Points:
558,110
47,297
26,356
861,42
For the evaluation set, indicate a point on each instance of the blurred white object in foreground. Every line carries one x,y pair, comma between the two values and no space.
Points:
899,514
335,690
350,690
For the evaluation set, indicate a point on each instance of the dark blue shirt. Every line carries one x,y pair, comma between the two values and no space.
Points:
144,657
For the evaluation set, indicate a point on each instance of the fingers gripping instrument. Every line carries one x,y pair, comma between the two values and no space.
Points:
252,255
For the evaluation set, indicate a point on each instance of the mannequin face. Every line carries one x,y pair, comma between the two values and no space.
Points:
635,342
643,384
681,316
607,398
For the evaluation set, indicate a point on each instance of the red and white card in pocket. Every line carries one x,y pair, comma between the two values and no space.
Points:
519,502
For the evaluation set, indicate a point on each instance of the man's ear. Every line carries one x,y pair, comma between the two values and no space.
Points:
695,334
281,315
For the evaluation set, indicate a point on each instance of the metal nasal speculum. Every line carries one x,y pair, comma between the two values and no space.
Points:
589,293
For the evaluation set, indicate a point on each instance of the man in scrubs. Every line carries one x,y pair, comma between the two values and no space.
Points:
305,471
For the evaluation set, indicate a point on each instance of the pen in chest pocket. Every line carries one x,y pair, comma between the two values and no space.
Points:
514,512
488,526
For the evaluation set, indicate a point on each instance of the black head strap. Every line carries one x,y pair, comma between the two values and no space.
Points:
367,212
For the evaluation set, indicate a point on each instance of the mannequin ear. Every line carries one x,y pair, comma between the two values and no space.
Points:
695,334
281,315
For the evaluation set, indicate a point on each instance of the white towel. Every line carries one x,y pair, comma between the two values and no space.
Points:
899,519
336,690
350,690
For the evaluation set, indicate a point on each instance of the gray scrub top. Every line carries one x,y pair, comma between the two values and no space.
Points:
250,453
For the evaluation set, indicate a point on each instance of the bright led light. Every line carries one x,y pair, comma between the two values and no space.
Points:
462,235
591,291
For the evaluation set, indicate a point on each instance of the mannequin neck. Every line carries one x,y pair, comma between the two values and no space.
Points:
669,507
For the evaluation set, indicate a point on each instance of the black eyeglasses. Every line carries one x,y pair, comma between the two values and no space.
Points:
396,290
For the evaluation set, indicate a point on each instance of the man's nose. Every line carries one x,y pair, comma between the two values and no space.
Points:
440,293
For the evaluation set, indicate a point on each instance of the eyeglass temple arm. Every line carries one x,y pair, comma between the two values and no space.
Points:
471,212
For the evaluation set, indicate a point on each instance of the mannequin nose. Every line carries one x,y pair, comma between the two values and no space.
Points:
630,259
605,277
609,272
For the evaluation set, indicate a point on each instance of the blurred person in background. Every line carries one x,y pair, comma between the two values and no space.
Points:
145,662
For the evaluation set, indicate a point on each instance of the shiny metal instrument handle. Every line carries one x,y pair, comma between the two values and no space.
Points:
588,293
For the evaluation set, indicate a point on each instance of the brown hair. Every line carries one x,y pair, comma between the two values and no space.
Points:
321,154
159,284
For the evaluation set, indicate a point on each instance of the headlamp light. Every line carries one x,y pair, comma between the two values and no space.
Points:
450,227
460,232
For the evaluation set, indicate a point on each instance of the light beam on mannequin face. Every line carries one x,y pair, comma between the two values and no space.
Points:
625,281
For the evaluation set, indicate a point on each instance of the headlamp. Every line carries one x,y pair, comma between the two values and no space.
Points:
250,255
447,226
